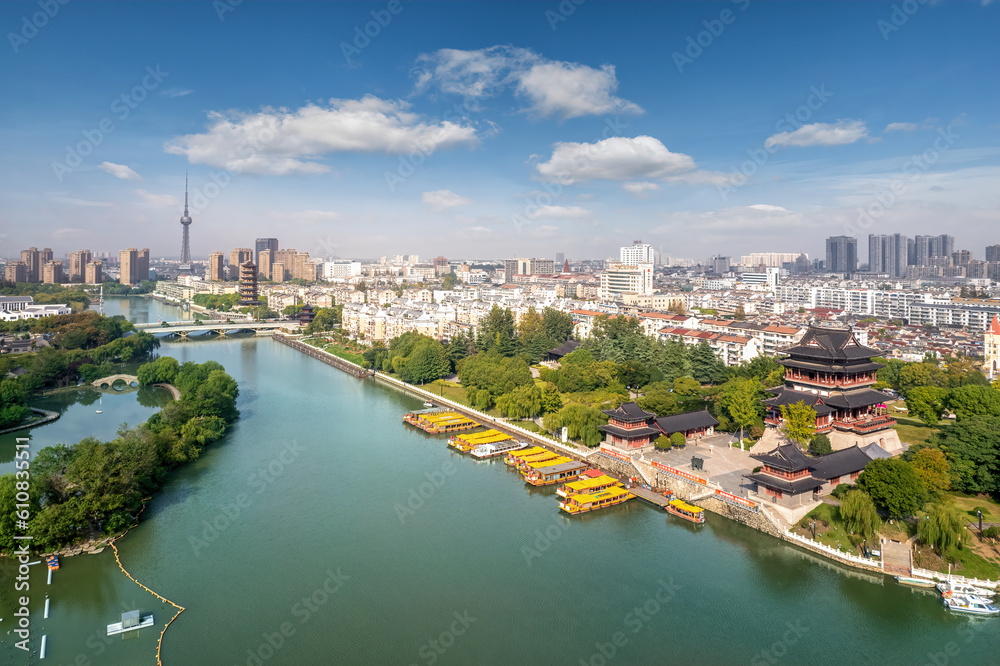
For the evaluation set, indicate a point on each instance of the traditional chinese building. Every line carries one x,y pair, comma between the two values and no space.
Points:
833,373
630,427
789,477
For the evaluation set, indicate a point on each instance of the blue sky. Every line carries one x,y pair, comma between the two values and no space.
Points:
491,129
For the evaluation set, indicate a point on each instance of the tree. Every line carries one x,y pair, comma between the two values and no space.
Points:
325,319
798,422
161,371
972,449
676,360
659,400
967,401
449,281
496,331
706,367
927,403
740,313
686,386
933,469
913,375
663,443
677,440
557,325
581,422
894,486
741,400
521,403
820,445
943,528
860,515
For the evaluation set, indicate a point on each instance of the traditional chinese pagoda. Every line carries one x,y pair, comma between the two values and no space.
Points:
630,427
833,373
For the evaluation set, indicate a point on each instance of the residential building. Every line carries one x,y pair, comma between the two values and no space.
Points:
841,254
771,259
240,256
512,267
16,271
77,265
342,269
260,246
93,273
32,267
127,265
278,272
52,272
215,267
636,253
993,253
720,265
265,259
622,278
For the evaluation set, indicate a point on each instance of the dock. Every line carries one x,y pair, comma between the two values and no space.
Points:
651,496
117,628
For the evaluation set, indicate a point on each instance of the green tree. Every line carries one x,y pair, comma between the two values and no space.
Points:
687,387
556,325
820,445
741,398
659,400
913,375
973,452
161,371
496,332
521,403
967,401
927,403
894,486
740,313
933,469
677,440
706,367
798,422
860,515
943,528
325,319
581,422
663,443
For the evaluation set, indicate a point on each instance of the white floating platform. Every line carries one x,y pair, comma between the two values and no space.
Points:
116,628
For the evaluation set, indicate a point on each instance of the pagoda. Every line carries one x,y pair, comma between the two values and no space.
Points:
833,373
630,427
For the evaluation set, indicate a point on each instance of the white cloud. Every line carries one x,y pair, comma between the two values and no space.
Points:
440,201
307,216
544,231
821,134
561,212
284,141
176,92
623,158
769,208
160,200
63,198
901,127
640,188
552,87
119,171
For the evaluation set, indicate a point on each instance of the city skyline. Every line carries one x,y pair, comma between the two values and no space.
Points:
516,135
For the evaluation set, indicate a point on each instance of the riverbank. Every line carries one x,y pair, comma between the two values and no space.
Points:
45,417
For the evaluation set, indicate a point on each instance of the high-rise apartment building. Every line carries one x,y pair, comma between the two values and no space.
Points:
52,272
887,254
240,256
770,259
32,267
720,264
265,258
77,265
512,267
45,256
215,269
993,253
142,265
637,253
126,265
93,273
961,257
262,244
278,271
842,254
305,268
621,278
16,271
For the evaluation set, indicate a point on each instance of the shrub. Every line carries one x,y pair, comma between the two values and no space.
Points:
992,533
663,442
677,440
755,432
820,445
841,490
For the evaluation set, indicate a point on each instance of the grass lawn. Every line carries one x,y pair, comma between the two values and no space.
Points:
990,507
833,532
528,425
912,431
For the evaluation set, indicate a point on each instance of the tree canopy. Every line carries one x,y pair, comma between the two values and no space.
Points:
894,486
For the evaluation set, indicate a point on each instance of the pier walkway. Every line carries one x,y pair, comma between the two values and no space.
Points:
651,496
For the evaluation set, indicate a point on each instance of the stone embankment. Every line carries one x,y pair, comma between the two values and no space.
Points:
45,416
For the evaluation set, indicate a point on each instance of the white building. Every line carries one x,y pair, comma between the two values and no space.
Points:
637,253
34,312
341,269
621,278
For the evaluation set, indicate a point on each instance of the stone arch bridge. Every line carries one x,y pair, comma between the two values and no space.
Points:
131,381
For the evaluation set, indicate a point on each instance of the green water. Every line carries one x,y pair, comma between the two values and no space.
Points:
307,499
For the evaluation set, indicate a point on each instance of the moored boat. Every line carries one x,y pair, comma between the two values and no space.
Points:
547,474
959,603
584,502
515,458
437,421
588,485
964,588
497,449
465,443
915,582
682,509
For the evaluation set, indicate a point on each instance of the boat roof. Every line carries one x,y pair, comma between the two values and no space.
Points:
558,460
595,482
615,491
534,450
684,506
537,457
561,467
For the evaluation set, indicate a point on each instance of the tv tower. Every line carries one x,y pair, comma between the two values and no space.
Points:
186,222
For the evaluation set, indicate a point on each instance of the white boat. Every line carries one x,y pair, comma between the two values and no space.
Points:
99,411
965,588
428,404
498,449
914,582
970,604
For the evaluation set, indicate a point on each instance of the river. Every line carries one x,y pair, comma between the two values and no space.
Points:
322,530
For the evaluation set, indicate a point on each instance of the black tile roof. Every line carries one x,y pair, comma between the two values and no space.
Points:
565,348
785,457
686,421
790,458
629,433
830,344
795,487
787,396
864,397
629,412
